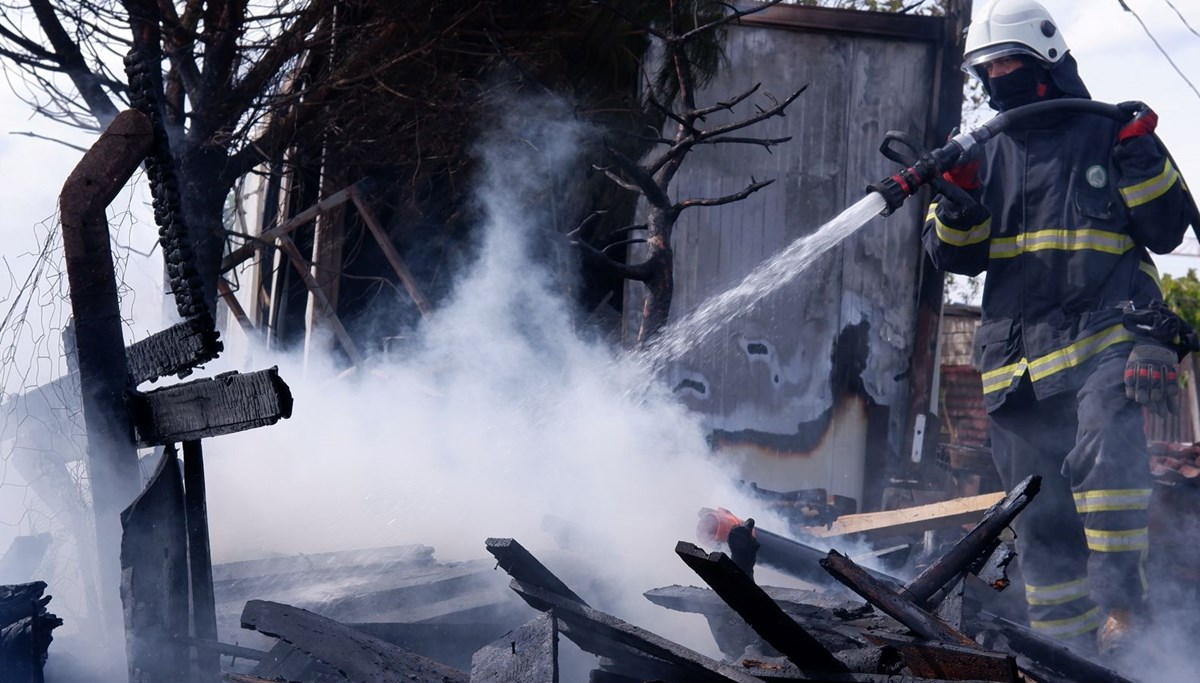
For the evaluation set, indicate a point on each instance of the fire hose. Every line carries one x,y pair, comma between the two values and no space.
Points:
774,550
924,167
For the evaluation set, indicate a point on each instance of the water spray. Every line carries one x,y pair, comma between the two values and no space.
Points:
924,167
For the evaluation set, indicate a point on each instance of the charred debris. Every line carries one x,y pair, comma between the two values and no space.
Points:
397,615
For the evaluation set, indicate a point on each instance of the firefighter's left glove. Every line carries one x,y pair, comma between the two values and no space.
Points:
1151,378
1143,121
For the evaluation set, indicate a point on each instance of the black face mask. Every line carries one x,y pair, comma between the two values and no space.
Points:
1015,89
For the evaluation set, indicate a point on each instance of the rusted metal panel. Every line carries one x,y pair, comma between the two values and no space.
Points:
787,386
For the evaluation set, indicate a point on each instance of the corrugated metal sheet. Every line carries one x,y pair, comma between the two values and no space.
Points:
769,386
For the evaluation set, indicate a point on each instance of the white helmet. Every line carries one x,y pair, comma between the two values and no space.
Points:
1013,27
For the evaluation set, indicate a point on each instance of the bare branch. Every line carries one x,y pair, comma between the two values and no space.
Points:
766,143
69,57
725,20
641,180
629,228
178,43
763,115
640,272
625,242
727,105
727,199
64,143
585,225
630,20
288,44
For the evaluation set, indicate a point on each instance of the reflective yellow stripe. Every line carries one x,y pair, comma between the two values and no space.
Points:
1074,626
1078,352
1117,541
1055,361
1152,271
1063,240
1112,500
995,380
959,238
1148,191
1058,594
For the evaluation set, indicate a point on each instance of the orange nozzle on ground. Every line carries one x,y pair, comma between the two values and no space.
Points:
714,525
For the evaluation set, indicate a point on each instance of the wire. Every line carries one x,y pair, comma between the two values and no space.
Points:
1160,47
1181,18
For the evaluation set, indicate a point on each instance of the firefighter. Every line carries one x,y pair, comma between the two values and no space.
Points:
1065,213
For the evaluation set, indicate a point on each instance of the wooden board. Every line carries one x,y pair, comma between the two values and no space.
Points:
360,657
175,350
757,608
917,519
228,403
604,626
528,654
154,577
523,566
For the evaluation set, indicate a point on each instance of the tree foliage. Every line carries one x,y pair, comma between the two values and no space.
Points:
1182,294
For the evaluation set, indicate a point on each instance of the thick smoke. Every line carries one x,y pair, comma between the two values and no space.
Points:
496,418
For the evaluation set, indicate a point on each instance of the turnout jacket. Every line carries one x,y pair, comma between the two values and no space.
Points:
1065,220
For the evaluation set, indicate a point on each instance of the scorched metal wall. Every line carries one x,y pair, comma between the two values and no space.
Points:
794,389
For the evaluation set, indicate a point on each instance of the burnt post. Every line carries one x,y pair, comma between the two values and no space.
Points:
103,374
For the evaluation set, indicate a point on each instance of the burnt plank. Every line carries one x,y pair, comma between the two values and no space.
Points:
174,351
979,542
891,602
1045,653
528,654
948,662
388,558
154,577
758,609
607,627
524,567
228,403
358,656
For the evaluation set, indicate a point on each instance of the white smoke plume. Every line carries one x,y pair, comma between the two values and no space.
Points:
498,415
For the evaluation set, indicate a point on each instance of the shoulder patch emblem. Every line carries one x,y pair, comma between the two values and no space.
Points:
1096,176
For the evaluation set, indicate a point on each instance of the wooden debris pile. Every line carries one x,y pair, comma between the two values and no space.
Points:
25,628
920,631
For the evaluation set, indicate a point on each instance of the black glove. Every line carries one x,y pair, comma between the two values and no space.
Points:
1151,378
1142,121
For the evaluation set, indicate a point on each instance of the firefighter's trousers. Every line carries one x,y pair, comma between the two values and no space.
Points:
1082,541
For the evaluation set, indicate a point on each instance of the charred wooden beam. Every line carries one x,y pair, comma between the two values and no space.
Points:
228,403
263,240
590,625
890,602
100,346
943,661
994,569
174,351
360,657
25,631
978,542
758,610
528,654
204,604
524,567
389,252
1044,653
154,569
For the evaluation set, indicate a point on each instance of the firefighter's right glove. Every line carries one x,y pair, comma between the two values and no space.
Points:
1151,378
965,175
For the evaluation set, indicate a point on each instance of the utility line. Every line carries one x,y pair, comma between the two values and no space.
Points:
1160,47
1181,18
